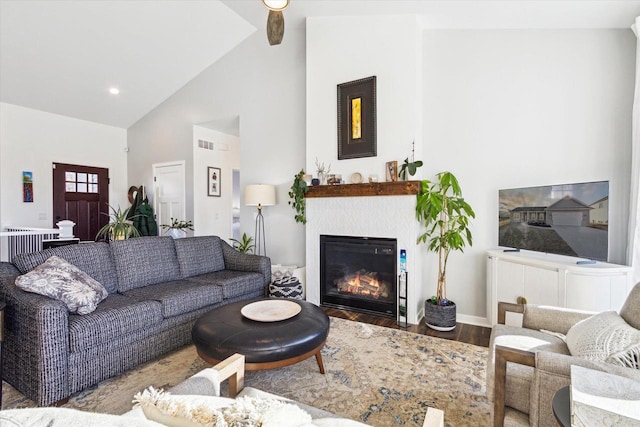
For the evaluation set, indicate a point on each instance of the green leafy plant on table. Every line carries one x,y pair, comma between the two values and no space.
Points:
119,227
244,244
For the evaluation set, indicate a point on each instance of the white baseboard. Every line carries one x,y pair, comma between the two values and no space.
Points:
473,320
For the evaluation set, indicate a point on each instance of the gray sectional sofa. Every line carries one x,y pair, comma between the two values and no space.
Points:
158,287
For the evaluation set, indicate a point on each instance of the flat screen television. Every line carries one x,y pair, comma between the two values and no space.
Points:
568,219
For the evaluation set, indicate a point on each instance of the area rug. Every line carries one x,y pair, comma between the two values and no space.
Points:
376,375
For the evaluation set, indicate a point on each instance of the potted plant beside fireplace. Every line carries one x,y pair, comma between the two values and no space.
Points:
445,215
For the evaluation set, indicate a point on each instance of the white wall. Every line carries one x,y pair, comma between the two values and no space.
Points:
31,140
263,85
342,49
213,215
517,108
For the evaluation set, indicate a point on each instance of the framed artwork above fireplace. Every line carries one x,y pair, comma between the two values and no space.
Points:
357,119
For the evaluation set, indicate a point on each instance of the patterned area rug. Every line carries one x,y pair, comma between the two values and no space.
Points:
377,375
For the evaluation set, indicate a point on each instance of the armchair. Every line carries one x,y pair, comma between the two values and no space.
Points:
528,364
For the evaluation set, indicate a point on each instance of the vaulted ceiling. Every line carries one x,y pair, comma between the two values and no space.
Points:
63,56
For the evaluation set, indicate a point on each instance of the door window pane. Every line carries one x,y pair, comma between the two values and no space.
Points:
70,176
93,178
82,187
82,177
93,188
70,187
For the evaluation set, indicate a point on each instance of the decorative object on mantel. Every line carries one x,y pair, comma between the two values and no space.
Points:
410,166
260,195
391,171
356,178
357,119
178,229
445,215
322,171
275,21
298,189
373,178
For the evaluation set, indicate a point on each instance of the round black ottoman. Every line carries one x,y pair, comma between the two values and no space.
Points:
224,331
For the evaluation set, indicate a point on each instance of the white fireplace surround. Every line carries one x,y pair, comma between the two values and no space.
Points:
366,216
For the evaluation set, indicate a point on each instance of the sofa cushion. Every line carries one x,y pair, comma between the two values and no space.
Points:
233,283
605,337
178,297
95,259
116,316
199,255
60,280
144,261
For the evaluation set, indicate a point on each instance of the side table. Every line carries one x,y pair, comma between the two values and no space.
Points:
562,406
2,306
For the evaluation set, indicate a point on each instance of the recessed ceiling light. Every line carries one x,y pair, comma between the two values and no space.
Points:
114,91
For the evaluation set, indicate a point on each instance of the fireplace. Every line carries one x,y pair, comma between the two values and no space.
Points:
359,273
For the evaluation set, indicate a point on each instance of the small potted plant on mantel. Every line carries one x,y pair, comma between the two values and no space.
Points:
445,214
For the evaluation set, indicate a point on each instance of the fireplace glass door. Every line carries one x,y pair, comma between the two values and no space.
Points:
359,273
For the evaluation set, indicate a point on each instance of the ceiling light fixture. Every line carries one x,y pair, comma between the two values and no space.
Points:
275,21
114,91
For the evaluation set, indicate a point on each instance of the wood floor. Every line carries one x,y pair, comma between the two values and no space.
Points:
470,334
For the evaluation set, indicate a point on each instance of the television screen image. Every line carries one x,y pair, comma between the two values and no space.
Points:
568,219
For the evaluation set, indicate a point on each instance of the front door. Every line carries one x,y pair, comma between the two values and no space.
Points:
81,195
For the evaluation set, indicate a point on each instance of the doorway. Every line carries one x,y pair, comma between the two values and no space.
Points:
81,195
169,192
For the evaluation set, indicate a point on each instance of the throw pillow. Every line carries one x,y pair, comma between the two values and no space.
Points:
56,278
194,411
605,337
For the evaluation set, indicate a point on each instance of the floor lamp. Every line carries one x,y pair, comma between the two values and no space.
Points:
260,195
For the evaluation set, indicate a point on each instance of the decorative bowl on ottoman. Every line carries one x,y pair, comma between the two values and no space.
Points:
286,287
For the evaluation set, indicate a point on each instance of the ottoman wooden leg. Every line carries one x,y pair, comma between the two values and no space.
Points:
319,360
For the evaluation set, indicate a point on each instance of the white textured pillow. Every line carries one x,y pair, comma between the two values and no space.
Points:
58,279
605,337
194,411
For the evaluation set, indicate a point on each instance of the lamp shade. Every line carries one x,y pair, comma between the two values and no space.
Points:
260,195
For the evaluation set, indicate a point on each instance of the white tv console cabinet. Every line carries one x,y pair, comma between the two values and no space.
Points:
554,280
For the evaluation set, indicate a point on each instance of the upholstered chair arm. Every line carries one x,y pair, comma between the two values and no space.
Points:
36,341
508,307
234,260
555,319
553,371
502,356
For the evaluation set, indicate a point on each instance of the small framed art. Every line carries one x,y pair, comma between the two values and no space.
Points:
213,182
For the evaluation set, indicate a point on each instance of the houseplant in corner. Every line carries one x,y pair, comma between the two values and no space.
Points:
445,215
178,229
119,227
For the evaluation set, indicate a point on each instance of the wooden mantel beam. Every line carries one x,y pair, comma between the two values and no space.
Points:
397,188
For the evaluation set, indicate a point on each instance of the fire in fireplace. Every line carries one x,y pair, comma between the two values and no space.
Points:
359,273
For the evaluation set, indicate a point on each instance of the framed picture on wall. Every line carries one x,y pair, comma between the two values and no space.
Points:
357,119
213,182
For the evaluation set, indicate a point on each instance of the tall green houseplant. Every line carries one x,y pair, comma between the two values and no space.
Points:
445,214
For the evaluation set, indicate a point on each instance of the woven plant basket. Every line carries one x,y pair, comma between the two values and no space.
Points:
440,317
